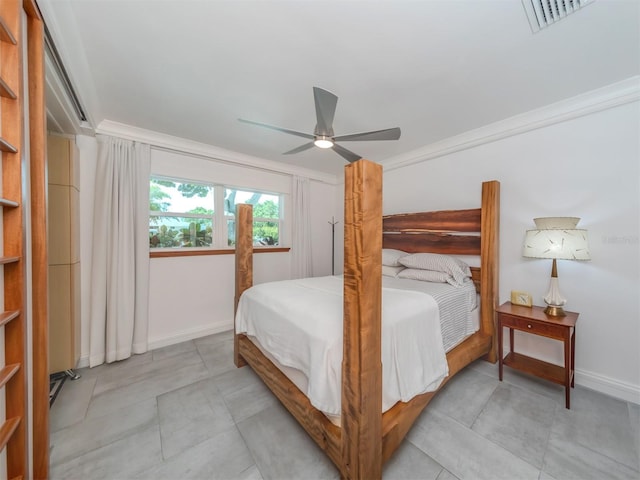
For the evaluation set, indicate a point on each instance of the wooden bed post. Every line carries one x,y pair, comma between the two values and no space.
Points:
244,266
489,269
362,364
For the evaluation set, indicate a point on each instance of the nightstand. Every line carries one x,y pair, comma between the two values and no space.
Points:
533,320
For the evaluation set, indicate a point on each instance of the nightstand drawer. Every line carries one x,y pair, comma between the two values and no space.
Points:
538,328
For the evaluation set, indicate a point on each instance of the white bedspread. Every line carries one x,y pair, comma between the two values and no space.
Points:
299,323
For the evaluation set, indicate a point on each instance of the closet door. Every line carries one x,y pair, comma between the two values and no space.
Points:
64,254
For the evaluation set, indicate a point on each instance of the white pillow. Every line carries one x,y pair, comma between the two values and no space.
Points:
425,275
454,267
391,271
390,257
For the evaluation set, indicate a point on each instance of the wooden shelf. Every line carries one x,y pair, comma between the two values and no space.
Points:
6,91
23,125
5,33
7,372
6,317
5,260
7,429
5,202
533,366
7,147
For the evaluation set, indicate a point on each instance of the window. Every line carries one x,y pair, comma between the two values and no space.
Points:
266,215
182,214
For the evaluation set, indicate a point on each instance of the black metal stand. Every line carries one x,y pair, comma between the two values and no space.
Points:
333,244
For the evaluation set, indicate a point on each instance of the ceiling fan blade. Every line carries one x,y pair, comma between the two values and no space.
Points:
325,110
285,130
387,134
346,154
299,149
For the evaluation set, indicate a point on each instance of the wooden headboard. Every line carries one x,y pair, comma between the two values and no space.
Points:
449,232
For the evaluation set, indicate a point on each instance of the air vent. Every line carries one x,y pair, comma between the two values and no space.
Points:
543,13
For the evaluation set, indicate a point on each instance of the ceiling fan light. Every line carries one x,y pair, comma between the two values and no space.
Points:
323,142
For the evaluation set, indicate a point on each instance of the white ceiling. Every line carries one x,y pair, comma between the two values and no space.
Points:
433,68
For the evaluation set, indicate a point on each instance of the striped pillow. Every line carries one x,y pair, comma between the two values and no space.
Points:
391,256
388,271
457,269
425,275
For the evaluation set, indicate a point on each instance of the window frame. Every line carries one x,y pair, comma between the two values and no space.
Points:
219,221
279,220
176,214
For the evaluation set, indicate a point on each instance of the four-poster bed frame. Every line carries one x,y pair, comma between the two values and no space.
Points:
367,438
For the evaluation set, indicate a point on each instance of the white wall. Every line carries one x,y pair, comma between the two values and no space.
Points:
323,198
586,167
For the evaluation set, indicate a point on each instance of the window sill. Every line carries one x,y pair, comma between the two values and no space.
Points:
227,251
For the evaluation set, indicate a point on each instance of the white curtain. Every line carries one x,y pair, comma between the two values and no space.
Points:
301,264
120,261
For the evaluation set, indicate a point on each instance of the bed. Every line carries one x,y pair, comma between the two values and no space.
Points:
365,437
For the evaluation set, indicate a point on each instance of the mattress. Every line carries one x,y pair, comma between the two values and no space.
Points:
298,325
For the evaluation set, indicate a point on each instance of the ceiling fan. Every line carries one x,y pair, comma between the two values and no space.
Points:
323,136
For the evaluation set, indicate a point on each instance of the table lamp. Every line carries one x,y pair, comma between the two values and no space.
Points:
556,238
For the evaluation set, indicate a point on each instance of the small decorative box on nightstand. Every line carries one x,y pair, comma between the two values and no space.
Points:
533,320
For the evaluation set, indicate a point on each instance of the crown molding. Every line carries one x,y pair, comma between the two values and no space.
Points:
209,152
611,96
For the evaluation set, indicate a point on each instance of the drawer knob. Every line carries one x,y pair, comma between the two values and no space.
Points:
529,326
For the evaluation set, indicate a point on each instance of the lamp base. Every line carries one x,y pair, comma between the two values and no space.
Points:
554,311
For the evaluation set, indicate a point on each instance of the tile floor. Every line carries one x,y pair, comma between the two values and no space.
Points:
185,412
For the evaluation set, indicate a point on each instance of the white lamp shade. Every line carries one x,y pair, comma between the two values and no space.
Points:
552,223
563,244
556,238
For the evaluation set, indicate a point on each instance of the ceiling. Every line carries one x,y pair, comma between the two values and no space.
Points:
433,68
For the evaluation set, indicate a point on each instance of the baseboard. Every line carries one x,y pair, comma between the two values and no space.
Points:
614,388
186,335
584,378
83,361
178,337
